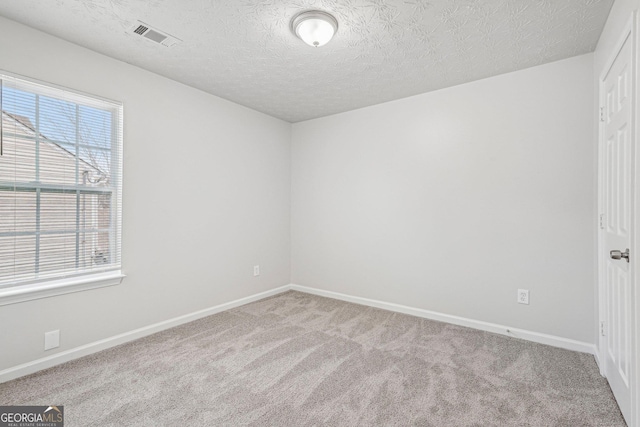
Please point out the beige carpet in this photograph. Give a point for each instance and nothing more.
(299, 360)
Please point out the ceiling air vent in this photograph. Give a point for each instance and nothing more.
(153, 34)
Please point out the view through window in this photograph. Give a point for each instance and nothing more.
(60, 172)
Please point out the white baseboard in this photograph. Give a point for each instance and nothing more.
(537, 337)
(84, 350)
(75, 353)
(596, 355)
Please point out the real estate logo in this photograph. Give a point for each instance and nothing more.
(31, 416)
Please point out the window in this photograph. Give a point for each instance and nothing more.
(60, 188)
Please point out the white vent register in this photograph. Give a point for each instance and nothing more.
(153, 34)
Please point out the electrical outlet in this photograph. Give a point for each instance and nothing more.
(51, 339)
(256, 270)
(523, 296)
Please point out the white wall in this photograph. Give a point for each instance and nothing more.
(206, 196)
(452, 200)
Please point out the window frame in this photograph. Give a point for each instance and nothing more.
(78, 281)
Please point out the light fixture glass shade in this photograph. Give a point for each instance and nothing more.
(315, 28)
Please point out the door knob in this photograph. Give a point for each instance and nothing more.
(615, 254)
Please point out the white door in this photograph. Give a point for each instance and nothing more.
(617, 154)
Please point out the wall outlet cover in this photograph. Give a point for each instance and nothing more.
(523, 296)
(52, 339)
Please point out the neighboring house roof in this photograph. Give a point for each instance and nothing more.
(22, 119)
(25, 122)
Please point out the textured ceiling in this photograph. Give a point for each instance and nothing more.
(243, 50)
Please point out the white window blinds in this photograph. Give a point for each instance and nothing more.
(60, 183)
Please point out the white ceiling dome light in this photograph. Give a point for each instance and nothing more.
(314, 27)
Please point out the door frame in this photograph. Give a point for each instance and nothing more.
(630, 31)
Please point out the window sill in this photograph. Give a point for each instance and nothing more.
(59, 287)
